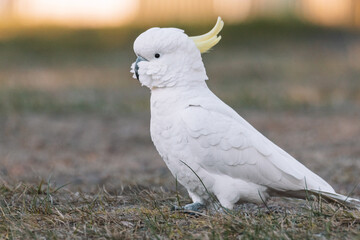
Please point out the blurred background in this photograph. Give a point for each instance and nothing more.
(70, 111)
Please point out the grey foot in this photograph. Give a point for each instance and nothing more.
(195, 207)
(192, 208)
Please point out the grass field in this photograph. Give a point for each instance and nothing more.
(77, 162)
(47, 212)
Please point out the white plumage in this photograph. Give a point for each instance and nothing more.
(195, 132)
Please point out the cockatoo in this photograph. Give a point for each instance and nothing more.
(208, 147)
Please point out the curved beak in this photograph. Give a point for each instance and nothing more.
(139, 59)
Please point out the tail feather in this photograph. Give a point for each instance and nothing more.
(338, 198)
(328, 196)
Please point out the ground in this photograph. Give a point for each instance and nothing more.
(76, 156)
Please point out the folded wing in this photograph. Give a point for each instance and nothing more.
(227, 144)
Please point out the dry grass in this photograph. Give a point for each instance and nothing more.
(46, 211)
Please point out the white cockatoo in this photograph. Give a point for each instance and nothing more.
(208, 147)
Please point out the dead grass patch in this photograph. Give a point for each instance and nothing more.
(47, 211)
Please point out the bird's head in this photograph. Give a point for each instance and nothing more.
(168, 57)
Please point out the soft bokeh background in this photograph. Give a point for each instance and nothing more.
(70, 111)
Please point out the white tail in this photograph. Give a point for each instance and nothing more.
(338, 198)
(329, 197)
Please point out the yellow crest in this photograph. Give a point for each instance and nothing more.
(206, 41)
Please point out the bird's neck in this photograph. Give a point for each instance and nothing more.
(177, 96)
(180, 89)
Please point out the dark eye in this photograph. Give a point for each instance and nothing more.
(157, 55)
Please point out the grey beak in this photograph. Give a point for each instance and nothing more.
(139, 59)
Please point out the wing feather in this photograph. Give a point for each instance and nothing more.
(234, 148)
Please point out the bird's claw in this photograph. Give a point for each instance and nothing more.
(195, 207)
(191, 209)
